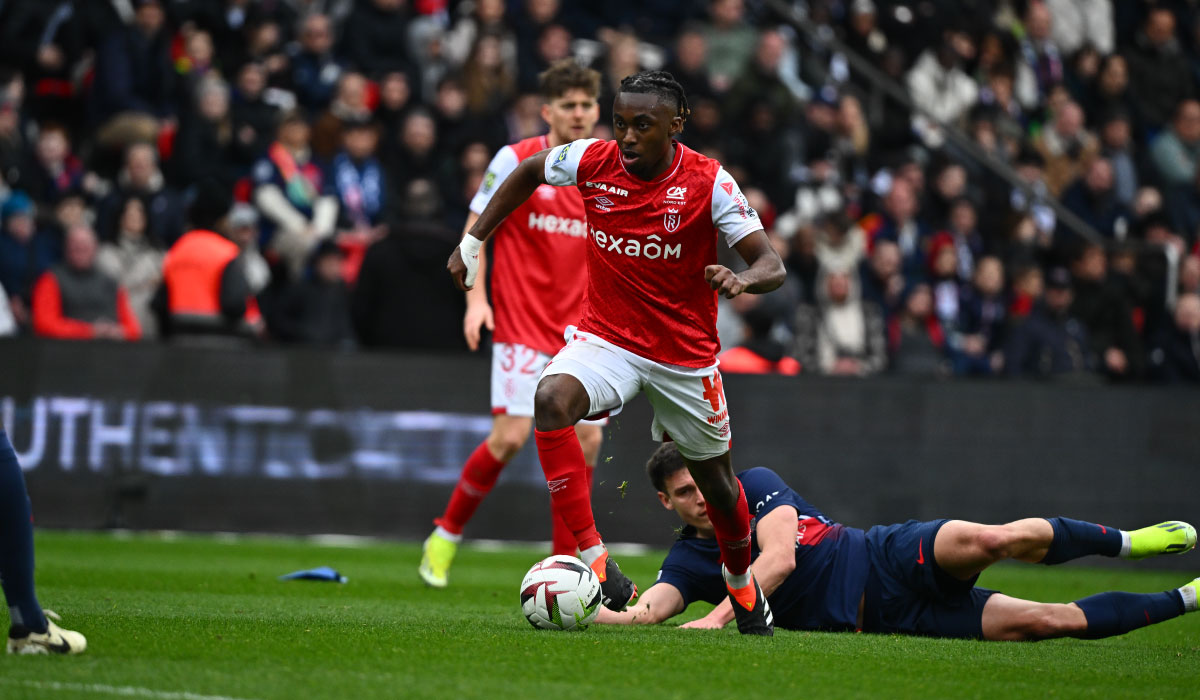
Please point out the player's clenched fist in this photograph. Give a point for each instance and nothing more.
(464, 262)
(724, 280)
(457, 269)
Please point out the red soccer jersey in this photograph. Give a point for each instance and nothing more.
(649, 245)
(537, 258)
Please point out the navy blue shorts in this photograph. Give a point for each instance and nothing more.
(908, 593)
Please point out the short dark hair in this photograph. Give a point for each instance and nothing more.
(665, 461)
(661, 83)
(566, 74)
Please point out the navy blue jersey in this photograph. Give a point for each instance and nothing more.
(831, 561)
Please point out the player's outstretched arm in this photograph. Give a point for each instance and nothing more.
(776, 533)
(660, 602)
(516, 188)
(766, 271)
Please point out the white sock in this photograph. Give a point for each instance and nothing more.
(739, 581)
(447, 535)
(592, 553)
(1126, 545)
(1189, 598)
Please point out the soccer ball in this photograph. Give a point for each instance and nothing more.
(560, 593)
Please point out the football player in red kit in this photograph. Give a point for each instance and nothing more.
(537, 258)
(655, 209)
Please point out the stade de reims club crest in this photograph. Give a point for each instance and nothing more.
(671, 220)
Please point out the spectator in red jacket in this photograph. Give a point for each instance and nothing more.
(76, 300)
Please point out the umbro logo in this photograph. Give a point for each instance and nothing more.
(556, 485)
(605, 201)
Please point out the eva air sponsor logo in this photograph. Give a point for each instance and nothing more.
(611, 189)
(652, 247)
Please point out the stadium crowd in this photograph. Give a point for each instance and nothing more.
(334, 146)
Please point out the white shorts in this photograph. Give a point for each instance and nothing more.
(689, 404)
(516, 371)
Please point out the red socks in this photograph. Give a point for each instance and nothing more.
(566, 477)
(482, 470)
(563, 539)
(479, 475)
(733, 533)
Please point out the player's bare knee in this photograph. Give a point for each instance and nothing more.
(551, 409)
(995, 541)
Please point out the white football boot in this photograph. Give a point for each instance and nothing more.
(55, 640)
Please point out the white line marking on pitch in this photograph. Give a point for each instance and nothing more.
(122, 690)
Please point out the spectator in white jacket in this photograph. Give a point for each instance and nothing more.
(1079, 22)
(940, 88)
(294, 195)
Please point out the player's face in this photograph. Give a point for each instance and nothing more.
(643, 125)
(572, 115)
(684, 497)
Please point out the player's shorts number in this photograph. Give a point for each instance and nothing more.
(528, 358)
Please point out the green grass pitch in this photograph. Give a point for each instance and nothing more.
(196, 617)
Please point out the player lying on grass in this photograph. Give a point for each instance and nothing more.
(29, 632)
(914, 578)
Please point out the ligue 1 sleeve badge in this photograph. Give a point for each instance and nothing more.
(671, 220)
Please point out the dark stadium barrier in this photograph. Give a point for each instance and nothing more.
(299, 441)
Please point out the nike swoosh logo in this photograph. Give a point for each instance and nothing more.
(920, 551)
(61, 648)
